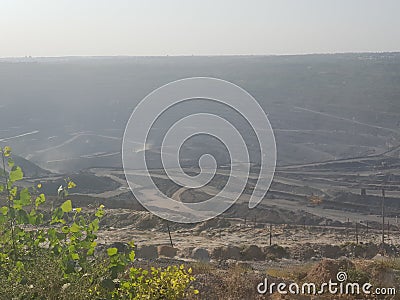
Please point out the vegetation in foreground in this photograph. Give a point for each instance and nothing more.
(56, 256)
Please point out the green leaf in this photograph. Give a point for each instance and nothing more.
(132, 256)
(17, 205)
(58, 213)
(75, 228)
(16, 174)
(4, 210)
(100, 211)
(57, 216)
(71, 248)
(75, 256)
(66, 206)
(1, 188)
(19, 265)
(91, 248)
(112, 251)
(3, 219)
(32, 219)
(71, 184)
(90, 252)
(65, 229)
(10, 162)
(40, 199)
(7, 151)
(51, 233)
(94, 226)
(14, 191)
(25, 197)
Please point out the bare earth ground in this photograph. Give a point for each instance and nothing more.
(125, 225)
(285, 237)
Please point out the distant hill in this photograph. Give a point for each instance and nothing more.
(29, 168)
(68, 114)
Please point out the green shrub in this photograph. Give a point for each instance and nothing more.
(356, 275)
(56, 258)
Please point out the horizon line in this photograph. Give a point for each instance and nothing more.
(197, 55)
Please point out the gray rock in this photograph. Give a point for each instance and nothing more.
(224, 253)
(201, 254)
(167, 251)
(253, 252)
(147, 252)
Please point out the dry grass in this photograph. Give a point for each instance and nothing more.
(296, 273)
(44, 280)
(202, 268)
(236, 283)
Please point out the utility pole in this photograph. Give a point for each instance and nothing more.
(356, 233)
(388, 230)
(270, 234)
(169, 233)
(383, 216)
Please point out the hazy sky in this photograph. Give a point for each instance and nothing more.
(203, 27)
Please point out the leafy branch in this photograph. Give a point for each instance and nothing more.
(68, 243)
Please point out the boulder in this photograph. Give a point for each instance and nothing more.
(147, 252)
(232, 252)
(253, 252)
(330, 251)
(167, 251)
(366, 251)
(276, 252)
(224, 253)
(201, 254)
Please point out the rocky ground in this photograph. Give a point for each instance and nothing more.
(231, 258)
(299, 242)
(288, 237)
